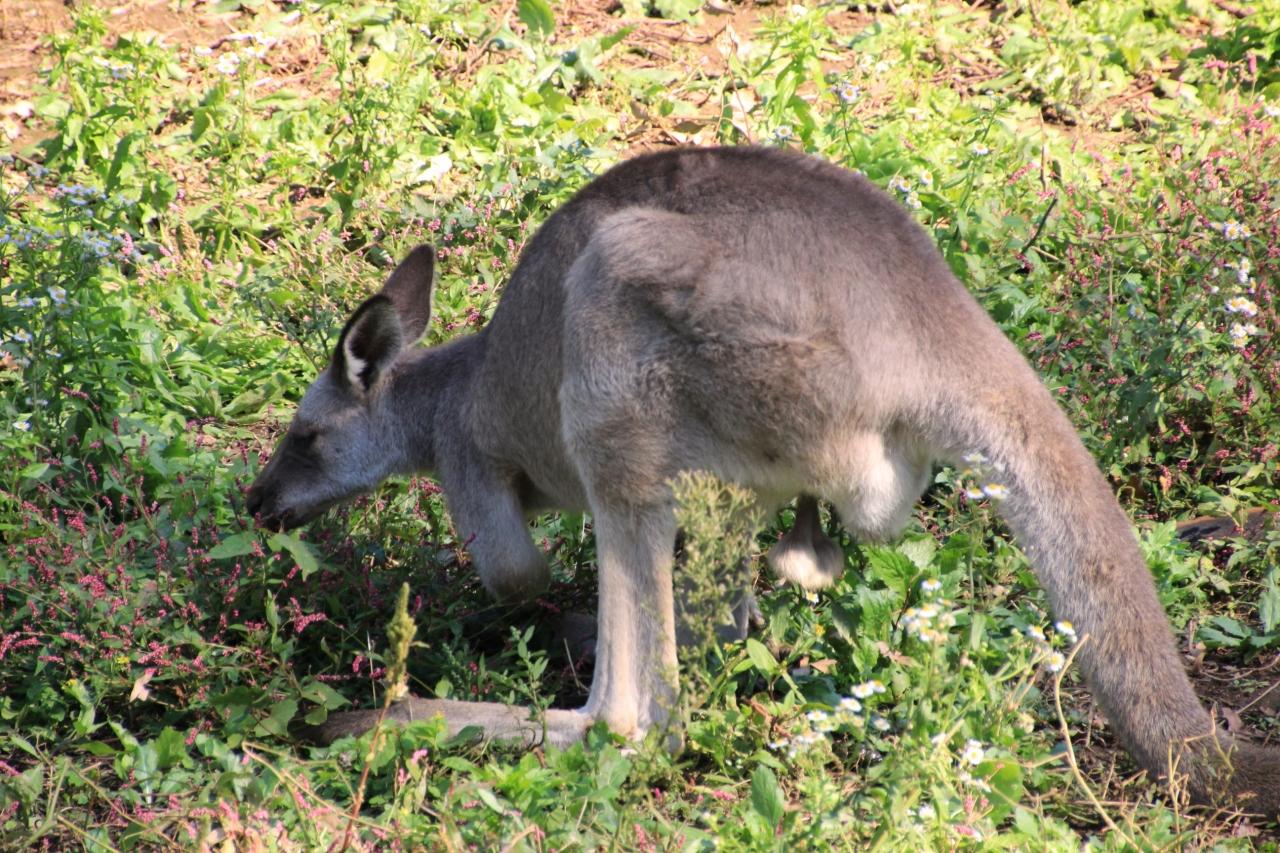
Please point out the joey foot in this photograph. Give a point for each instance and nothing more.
(805, 555)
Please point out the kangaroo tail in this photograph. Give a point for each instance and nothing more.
(1085, 554)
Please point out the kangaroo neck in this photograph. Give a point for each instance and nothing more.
(430, 400)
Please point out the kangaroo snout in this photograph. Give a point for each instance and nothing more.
(261, 503)
(253, 500)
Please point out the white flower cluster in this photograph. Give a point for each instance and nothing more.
(97, 244)
(1241, 332)
(79, 194)
(983, 477)
(1242, 269)
(971, 755)
(1232, 230)
(909, 196)
(929, 622)
(1242, 305)
(117, 70)
(847, 92)
(867, 689)
(25, 237)
(256, 47)
(1054, 659)
(819, 724)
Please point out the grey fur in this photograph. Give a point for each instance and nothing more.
(785, 325)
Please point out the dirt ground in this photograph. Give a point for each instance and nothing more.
(25, 26)
(702, 47)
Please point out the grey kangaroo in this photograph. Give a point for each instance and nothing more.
(779, 322)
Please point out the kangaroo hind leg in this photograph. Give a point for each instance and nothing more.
(634, 687)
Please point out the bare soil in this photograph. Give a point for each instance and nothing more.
(25, 28)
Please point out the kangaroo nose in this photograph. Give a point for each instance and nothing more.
(253, 501)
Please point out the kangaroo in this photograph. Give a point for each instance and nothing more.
(777, 321)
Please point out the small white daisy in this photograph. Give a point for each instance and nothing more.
(1242, 305)
(995, 491)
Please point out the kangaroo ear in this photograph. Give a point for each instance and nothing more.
(410, 288)
(369, 343)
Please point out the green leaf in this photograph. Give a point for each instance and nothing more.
(537, 16)
(761, 657)
(866, 655)
(239, 697)
(1223, 631)
(99, 749)
(891, 568)
(299, 550)
(380, 66)
(171, 747)
(845, 622)
(34, 471)
(273, 614)
(234, 545)
(323, 694)
(201, 121)
(919, 551)
(877, 606)
(611, 772)
(677, 10)
(766, 796)
(458, 764)
(486, 796)
(1006, 786)
(121, 157)
(613, 38)
(1027, 823)
(1269, 602)
(277, 722)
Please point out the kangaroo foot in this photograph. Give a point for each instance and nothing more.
(499, 722)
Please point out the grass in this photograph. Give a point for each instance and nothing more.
(178, 253)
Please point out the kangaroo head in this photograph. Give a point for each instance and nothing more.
(346, 438)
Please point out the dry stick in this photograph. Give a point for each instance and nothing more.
(1040, 226)
(66, 823)
(1236, 11)
(1071, 753)
(1256, 699)
(511, 845)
